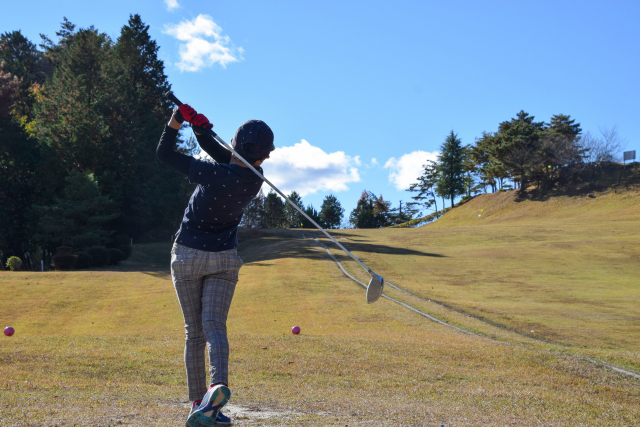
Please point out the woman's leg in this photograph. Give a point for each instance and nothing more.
(217, 293)
(186, 268)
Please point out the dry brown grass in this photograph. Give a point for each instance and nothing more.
(105, 348)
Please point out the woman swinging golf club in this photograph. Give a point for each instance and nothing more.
(204, 260)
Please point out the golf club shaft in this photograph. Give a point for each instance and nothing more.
(215, 136)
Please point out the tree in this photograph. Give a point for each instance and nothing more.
(331, 212)
(274, 215)
(487, 164)
(370, 212)
(254, 212)
(518, 146)
(313, 214)
(451, 168)
(400, 215)
(560, 154)
(605, 147)
(79, 216)
(424, 189)
(103, 112)
(25, 164)
(20, 58)
(294, 219)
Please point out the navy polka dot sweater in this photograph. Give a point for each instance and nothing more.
(210, 221)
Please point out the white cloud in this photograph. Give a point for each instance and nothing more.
(374, 161)
(406, 170)
(202, 44)
(308, 169)
(172, 4)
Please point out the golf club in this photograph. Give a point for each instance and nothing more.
(376, 284)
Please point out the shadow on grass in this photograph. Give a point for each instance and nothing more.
(258, 246)
(276, 244)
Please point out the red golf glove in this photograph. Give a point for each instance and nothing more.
(187, 113)
(200, 120)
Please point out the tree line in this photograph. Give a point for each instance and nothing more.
(523, 154)
(80, 118)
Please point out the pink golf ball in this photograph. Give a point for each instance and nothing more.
(295, 330)
(8, 331)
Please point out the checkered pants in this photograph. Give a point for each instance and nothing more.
(205, 282)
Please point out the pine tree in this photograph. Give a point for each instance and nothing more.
(370, 212)
(294, 219)
(424, 189)
(274, 215)
(313, 214)
(80, 215)
(451, 168)
(254, 212)
(518, 146)
(331, 212)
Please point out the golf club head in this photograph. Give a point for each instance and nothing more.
(374, 290)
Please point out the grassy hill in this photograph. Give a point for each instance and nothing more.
(543, 286)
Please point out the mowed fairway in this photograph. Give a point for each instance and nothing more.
(544, 286)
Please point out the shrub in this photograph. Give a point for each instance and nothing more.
(64, 262)
(121, 240)
(115, 256)
(14, 263)
(99, 256)
(84, 260)
(64, 250)
(127, 249)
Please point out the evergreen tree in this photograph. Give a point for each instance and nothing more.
(560, 152)
(254, 212)
(80, 216)
(20, 58)
(401, 214)
(491, 170)
(274, 214)
(294, 219)
(313, 214)
(103, 111)
(331, 212)
(71, 114)
(518, 146)
(469, 170)
(25, 164)
(424, 189)
(370, 212)
(451, 168)
(139, 113)
(562, 124)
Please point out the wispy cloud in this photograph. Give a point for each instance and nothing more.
(405, 171)
(172, 4)
(203, 44)
(308, 169)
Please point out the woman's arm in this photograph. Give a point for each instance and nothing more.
(213, 149)
(166, 152)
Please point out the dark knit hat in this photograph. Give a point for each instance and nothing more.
(253, 140)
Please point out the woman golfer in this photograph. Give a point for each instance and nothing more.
(204, 260)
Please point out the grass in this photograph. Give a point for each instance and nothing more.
(104, 348)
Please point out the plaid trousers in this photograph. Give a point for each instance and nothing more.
(205, 283)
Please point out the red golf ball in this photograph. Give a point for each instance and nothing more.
(8, 331)
(295, 330)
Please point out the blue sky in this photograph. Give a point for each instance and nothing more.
(360, 93)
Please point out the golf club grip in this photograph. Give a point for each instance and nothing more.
(172, 98)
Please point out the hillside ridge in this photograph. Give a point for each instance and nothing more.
(505, 206)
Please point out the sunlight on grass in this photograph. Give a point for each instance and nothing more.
(105, 347)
